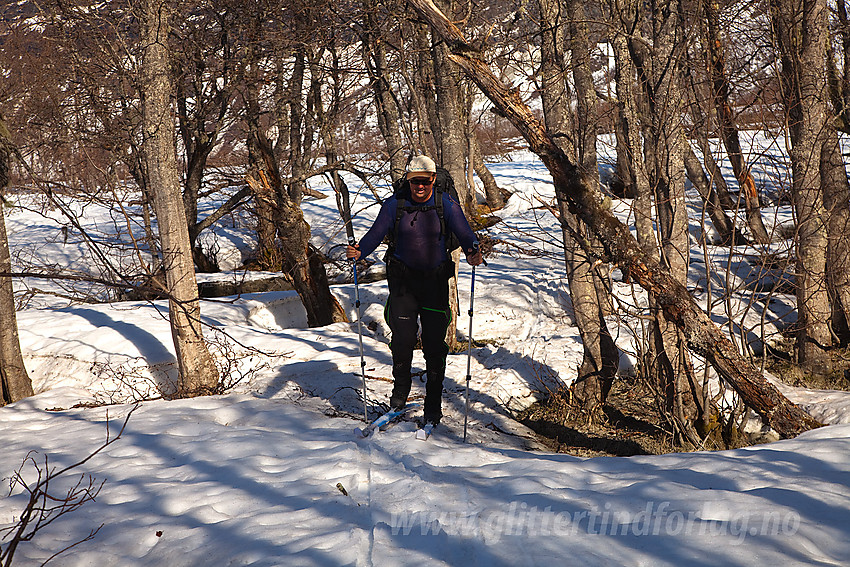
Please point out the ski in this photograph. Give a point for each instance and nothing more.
(424, 432)
(384, 420)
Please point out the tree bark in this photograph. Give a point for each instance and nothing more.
(729, 233)
(631, 165)
(452, 139)
(587, 106)
(702, 336)
(424, 95)
(203, 52)
(197, 371)
(451, 142)
(589, 296)
(588, 286)
(15, 383)
(492, 193)
(661, 78)
(728, 130)
(842, 106)
(711, 185)
(554, 86)
(836, 196)
(801, 34)
(262, 157)
(386, 109)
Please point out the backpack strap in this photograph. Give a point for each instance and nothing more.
(438, 202)
(400, 207)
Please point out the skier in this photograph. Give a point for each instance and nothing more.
(418, 272)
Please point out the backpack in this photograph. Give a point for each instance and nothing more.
(401, 191)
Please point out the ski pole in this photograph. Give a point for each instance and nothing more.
(469, 354)
(359, 332)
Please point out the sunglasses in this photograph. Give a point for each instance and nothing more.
(423, 181)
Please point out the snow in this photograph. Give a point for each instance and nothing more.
(253, 476)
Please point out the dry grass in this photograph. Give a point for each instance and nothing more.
(628, 424)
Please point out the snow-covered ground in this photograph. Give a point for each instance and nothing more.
(271, 473)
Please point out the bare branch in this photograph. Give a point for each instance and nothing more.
(43, 506)
(702, 336)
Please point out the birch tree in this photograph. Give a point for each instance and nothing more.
(374, 49)
(15, 383)
(295, 114)
(197, 371)
(800, 28)
(659, 60)
(716, 56)
(587, 281)
(701, 335)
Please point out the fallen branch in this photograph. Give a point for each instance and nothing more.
(702, 336)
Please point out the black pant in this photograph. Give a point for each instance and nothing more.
(416, 298)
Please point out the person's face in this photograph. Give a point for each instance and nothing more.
(421, 186)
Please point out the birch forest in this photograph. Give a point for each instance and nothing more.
(245, 104)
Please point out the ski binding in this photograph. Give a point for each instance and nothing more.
(424, 432)
(384, 420)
